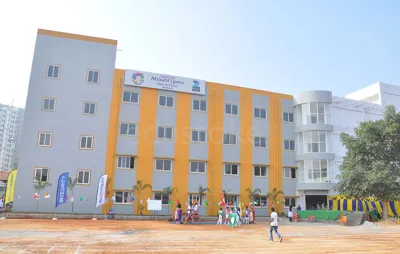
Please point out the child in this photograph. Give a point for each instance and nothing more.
(233, 218)
(227, 218)
(239, 222)
(247, 216)
(220, 217)
(290, 214)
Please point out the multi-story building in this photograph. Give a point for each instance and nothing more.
(11, 120)
(320, 119)
(87, 118)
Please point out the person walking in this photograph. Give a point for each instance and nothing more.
(274, 226)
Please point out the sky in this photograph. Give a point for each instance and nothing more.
(285, 46)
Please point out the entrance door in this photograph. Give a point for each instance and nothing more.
(312, 201)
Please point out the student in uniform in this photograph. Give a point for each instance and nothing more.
(220, 213)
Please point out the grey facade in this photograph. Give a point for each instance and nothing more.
(66, 122)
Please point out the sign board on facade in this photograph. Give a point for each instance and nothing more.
(164, 82)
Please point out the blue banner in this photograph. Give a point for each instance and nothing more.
(62, 188)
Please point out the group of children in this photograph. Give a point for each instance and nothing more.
(232, 217)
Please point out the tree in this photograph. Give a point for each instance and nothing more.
(71, 186)
(274, 195)
(169, 191)
(371, 167)
(138, 188)
(202, 191)
(39, 185)
(253, 194)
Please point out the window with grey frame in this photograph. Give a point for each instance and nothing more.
(130, 97)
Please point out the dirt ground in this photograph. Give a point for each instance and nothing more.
(86, 236)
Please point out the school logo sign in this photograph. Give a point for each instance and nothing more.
(196, 86)
(164, 82)
(138, 78)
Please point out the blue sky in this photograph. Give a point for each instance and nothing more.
(281, 46)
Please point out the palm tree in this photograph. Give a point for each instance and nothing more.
(274, 195)
(71, 186)
(138, 188)
(39, 185)
(169, 191)
(253, 194)
(202, 191)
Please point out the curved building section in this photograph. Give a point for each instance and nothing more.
(314, 154)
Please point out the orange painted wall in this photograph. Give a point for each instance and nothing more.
(146, 136)
(113, 135)
(182, 140)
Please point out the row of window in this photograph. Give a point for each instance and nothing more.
(129, 162)
(86, 141)
(93, 77)
(89, 108)
(124, 197)
(54, 72)
(83, 176)
(45, 140)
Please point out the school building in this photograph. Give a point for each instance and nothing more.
(87, 118)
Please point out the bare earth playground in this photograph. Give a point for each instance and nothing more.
(118, 236)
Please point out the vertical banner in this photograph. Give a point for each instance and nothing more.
(101, 191)
(62, 188)
(11, 180)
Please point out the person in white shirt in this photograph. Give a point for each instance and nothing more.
(219, 222)
(290, 214)
(274, 225)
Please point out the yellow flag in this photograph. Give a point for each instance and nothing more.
(12, 178)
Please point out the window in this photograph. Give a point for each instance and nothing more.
(197, 166)
(161, 196)
(123, 197)
(290, 201)
(231, 200)
(128, 129)
(261, 201)
(83, 176)
(312, 113)
(230, 139)
(196, 197)
(163, 165)
(130, 97)
(49, 104)
(93, 77)
(164, 132)
(231, 169)
(86, 142)
(45, 139)
(53, 71)
(290, 173)
(198, 136)
(313, 171)
(288, 145)
(260, 113)
(288, 117)
(166, 101)
(126, 162)
(41, 174)
(231, 109)
(314, 141)
(89, 108)
(199, 105)
(260, 142)
(260, 171)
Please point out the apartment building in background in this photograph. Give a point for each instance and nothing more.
(87, 118)
(11, 121)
